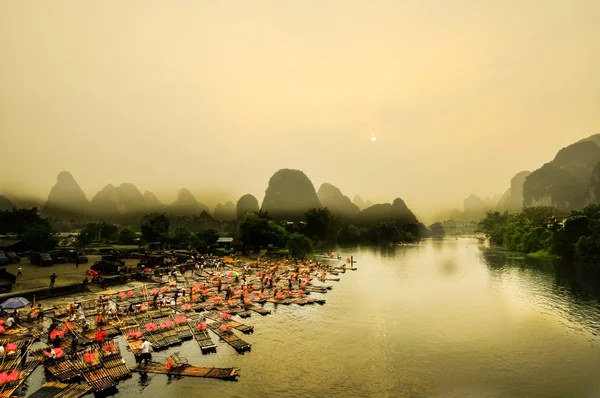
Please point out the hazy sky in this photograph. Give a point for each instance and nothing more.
(217, 95)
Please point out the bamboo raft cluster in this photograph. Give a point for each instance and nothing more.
(61, 390)
(108, 366)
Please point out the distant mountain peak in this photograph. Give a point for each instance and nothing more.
(66, 198)
(333, 198)
(6, 204)
(289, 195)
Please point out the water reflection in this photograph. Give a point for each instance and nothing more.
(570, 290)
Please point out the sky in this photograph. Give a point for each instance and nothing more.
(216, 96)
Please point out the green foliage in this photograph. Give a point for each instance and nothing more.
(258, 232)
(538, 230)
(320, 224)
(182, 238)
(102, 231)
(127, 236)
(18, 220)
(84, 238)
(155, 227)
(299, 245)
(35, 231)
(40, 236)
(437, 230)
(205, 239)
(494, 226)
(350, 234)
(542, 254)
(386, 232)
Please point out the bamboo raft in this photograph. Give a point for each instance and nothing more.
(233, 323)
(7, 389)
(135, 344)
(183, 331)
(166, 336)
(62, 368)
(189, 371)
(96, 375)
(202, 337)
(113, 361)
(245, 314)
(61, 390)
(229, 337)
(260, 310)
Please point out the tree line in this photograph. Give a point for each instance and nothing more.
(544, 230)
(253, 232)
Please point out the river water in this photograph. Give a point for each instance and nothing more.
(443, 319)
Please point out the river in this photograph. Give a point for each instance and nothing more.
(443, 319)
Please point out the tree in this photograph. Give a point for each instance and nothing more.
(494, 226)
(40, 237)
(299, 245)
(84, 238)
(102, 231)
(320, 224)
(18, 220)
(437, 230)
(540, 215)
(181, 237)
(349, 234)
(388, 232)
(208, 237)
(127, 236)
(36, 232)
(155, 227)
(256, 232)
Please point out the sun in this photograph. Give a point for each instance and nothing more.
(373, 138)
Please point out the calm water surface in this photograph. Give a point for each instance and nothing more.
(444, 319)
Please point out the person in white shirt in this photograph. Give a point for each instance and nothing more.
(10, 322)
(51, 353)
(2, 351)
(146, 350)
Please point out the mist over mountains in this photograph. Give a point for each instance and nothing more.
(571, 180)
(288, 196)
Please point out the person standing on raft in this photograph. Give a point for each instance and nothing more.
(146, 350)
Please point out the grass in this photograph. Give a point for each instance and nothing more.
(543, 254)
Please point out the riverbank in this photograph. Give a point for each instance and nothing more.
(543, 255)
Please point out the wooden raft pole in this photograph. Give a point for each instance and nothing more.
(189, 371)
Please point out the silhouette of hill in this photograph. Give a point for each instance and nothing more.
(105, 202)
(152, 203)
(332, 198)
(66, 199)
(6, 204)
(289, 195)
(226, 212)
(186, 204)
(396, 212)
(563, 182)
(246, 204)
(474, 208)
